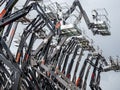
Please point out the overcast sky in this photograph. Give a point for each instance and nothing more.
(110, 45)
